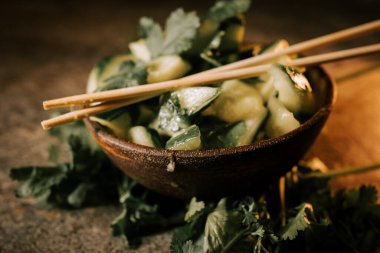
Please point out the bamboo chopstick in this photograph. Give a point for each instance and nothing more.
(300, 47)
(89, 111)
(335, 56)
(138, 94)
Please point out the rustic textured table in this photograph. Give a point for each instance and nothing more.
(47, 49)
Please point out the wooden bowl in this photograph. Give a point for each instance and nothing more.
(223, 171)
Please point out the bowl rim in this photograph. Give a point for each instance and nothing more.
(98, 131)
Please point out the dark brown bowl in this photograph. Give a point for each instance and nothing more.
(224, 171)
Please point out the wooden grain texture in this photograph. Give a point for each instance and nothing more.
(47, 49)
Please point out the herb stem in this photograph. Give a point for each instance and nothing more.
(340, 172)
(234, 240)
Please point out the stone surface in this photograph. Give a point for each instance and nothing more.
(47, 49)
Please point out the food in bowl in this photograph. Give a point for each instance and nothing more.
(225, 114)
(201, 141)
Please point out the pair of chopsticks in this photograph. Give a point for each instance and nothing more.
(98, 102)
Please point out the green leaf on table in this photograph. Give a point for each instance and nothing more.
(180, 31)
(139, 216)
(87, 179)
(194, 207)
(221, 226)
(225, 9)
(298, 223)
(38, 181)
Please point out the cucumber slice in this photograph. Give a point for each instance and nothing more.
(195, 99)
(119, 125)
(189, 139)
(237, 102)
(294, 90)
(140, 50)
(141, 135)
(243, 132)
(265, 87)
(280, 120)
(275, 46)
(171, 119)
(167, 67)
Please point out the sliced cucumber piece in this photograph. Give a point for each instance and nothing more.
(243, 132)
(171, 119)
(119, 125)
(280, 119)
(141, 135)
(238, 101)
(140, 50)
(167, 67)
(265, 87)
(195, 99)
(189, 139)
(275, 46)
(294, 90)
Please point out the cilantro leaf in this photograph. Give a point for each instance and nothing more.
(140, 216)
(87, 179)
(38, 181)
(225, 9)
(180, 31)
(152, 32)
(221, 226)
(298, 223)
(194, 207)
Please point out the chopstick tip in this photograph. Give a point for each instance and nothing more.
(45, 125)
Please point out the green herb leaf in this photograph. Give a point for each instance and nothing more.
(194, 207)
(221, 226)
(152, 32)
(225, 9)
(300, 222)
(180, 31)
(140, 217)
(87, 179)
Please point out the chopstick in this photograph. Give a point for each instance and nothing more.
(264, 58)
(139, 93)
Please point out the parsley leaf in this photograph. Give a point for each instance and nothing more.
(298, 223)
(225, 9)
(154, 37)
(87, 179)
(141, 215)
(180, 31)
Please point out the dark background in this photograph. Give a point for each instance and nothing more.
(47, 49)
